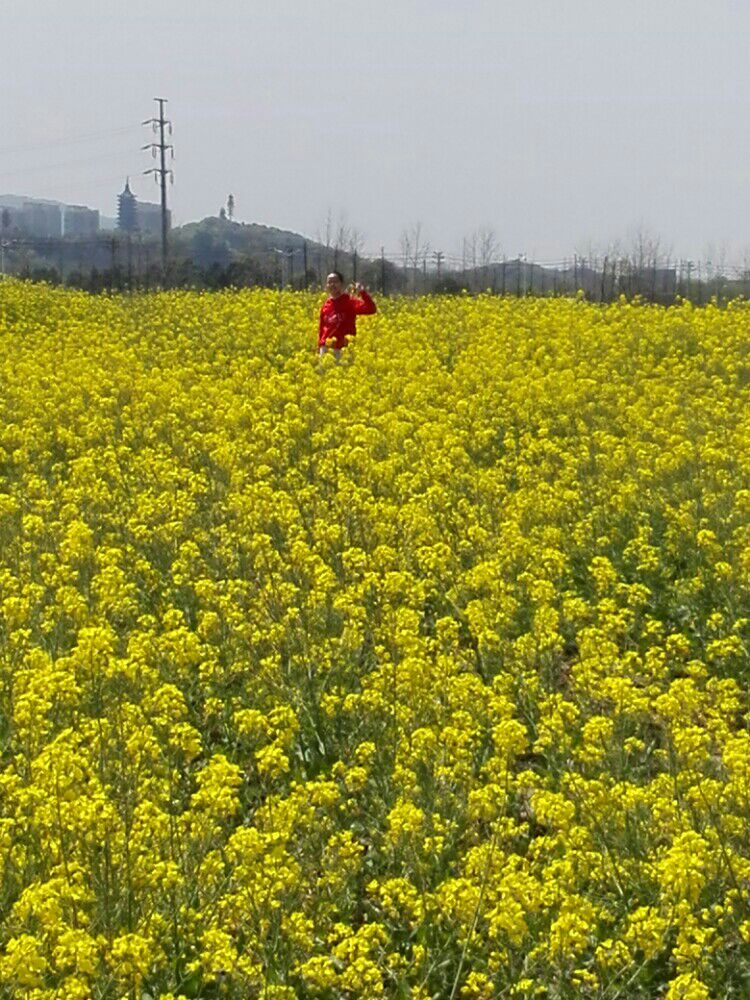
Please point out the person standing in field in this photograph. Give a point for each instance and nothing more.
(338, 314)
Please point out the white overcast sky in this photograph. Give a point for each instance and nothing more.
(559, 123)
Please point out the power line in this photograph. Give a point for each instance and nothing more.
(42, 167)
(72, 141)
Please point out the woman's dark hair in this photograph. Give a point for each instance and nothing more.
(339, 275)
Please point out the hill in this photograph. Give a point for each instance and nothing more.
(214, 240)
(262, 250)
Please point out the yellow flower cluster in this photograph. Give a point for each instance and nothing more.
(422, 674)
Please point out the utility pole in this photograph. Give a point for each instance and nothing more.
(439, 255)
(382, 270)
(288, 254)
(160, 124)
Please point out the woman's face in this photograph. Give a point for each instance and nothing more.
(334, 286)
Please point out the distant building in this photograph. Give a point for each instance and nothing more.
(39, 219)
(80, 221)
(135, 216)
(149, 218)
(127, 209)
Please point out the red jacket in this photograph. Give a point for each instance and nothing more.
(338, 318)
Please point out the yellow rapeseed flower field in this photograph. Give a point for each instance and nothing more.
(422, 674)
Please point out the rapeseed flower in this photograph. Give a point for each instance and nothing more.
(421, 675)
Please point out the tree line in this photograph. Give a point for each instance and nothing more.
(203, 256)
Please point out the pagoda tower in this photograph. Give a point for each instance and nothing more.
(127, 210)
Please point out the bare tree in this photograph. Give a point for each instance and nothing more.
(414, 249)
(585, 267)
(488, 245)
(720, 257)
(613, 256)
(404, 242)
(420, 246)
(324, 234)
(356, 245)
(340, 240)
(356, 241)
(473, 244)
(633, 265)
(470, 249)
(646, 255)
(341, 237)
(488, 252)
(646, 249)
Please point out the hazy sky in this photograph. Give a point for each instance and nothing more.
(556, 122)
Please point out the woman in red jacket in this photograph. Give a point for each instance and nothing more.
(338, 314)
